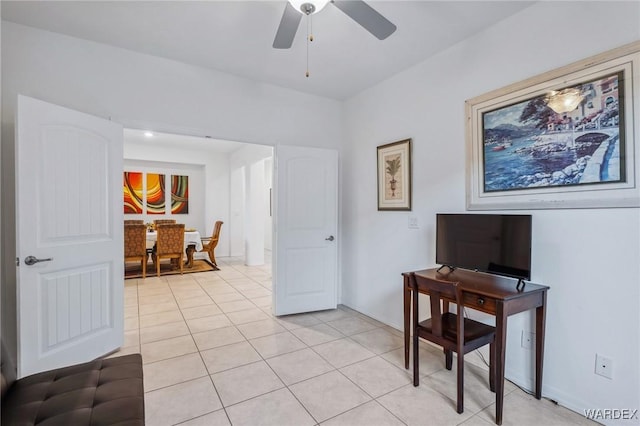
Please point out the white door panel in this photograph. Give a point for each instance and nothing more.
(306, 212)
(69, 210)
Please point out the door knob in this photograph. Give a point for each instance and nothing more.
(32, 260)
(330, 238)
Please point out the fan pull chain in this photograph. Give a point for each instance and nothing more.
(309, 38)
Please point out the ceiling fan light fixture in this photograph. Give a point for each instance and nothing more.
(308, 7)
(358, 10)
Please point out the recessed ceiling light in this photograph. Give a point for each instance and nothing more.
(148, 134)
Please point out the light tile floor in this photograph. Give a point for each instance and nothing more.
(214, 354)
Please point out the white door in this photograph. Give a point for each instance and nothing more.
(306, 225)
(69, 221)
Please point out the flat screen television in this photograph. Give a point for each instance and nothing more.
(495, 243)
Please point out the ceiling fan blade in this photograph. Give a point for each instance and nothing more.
(288, 28)
(366, 16)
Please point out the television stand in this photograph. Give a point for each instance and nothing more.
(520, 284)
(494, 295)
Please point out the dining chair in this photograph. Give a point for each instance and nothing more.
(209, 243)
(133, 221)
(169, 244)
(452, 331)
(135, 245)
(157, 222)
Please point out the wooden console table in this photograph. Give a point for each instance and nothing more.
(495, 295)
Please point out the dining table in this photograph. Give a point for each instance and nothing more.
(192, 243)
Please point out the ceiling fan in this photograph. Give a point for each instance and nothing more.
(357, 10)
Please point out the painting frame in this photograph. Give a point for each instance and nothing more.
(394, 176)
(582, 193)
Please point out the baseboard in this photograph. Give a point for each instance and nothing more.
(558, 396)
(385, 321)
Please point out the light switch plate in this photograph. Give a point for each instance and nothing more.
(413, 222)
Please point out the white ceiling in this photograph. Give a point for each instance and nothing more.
(236, 36)
(168, 140)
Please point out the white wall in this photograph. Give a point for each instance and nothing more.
(240, 162)
(254, 213)
(144, 92)
(589, 258)
(236, 211)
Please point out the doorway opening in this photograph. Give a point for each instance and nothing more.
(227, 181)
(297, 221)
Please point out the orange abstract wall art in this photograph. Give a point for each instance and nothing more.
(179, 194)
(155, 194)
(132, 192)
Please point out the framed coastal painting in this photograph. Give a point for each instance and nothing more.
(394, 176)
(564, 139)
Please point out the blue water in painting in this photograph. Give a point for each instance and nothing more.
(504, 168)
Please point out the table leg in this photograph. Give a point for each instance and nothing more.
(407, 321)
(190, 250)
(501, 343)
(540, 322)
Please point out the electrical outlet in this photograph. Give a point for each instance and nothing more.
(413, 222)
(604, 366)
(527, 339)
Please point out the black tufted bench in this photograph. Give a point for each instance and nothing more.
(100, 392)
